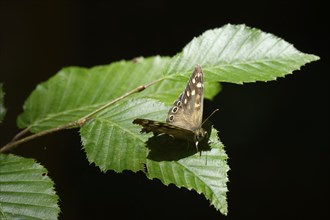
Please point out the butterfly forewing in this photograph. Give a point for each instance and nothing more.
(187, 111)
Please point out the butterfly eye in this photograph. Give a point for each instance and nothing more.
(171, 118)
(174, 109)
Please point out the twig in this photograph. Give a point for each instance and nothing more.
(13, 144)
(80, 122)
(20, 134)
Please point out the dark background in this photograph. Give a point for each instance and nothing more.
(275, 133)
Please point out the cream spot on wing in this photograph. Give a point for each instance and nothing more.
(193, 92)
(199, 85)
(193, 80)
(188, 93)
(185, 100)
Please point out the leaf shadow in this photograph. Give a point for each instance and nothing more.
(166, 148)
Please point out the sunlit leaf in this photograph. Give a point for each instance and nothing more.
(26, 192)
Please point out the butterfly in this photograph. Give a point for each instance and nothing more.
(184, 118)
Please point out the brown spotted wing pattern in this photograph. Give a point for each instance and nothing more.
(184, 118)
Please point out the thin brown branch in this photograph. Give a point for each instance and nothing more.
(13, 144)
(20, 134)
(17, 140)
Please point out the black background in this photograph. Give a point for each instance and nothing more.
(275, 133)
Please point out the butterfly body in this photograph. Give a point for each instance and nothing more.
(184, 118)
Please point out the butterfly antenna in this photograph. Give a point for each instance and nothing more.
(210, 116)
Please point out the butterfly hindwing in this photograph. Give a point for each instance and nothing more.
(157, 127)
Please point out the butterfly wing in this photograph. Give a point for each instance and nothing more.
(184, 119)
(163, 128)
(187, 111)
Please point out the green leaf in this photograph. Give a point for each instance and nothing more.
(111, 141)
(238, 54)
(26, 192)
(206, 174)
(2, 107)
(75, 91)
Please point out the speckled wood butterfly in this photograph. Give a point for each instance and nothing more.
(184, 118)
